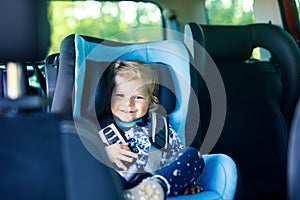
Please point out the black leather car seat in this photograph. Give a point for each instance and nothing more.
(261, 97)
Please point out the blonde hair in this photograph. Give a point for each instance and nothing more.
(134, 69)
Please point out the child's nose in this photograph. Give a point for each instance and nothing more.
(130, 102)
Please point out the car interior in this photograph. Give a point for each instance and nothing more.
(230, 88)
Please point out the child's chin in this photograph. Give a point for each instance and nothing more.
(127, 119)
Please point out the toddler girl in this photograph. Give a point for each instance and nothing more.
(147, 152)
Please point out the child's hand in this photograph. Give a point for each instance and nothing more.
(118, 153)
(192, 189)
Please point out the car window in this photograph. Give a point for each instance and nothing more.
(229, 12)
(103, 20)
(234, 12)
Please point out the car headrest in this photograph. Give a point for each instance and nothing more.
(228, 42)
(24, 30)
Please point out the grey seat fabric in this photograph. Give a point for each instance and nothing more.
(43, 156)
(294, 157)
(261, 97)
(86, 166)
(31, 166)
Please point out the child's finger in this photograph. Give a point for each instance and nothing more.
(192, 189)
(199, 188)
(133, 155)
(129, 153)
(120, 164)
(125, 158)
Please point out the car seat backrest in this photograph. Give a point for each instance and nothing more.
(30, 158)
(261, 97)
(236, 44)
(45, 156)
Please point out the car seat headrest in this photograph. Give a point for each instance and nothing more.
(24, 30)
(233, 44)
(170, 57)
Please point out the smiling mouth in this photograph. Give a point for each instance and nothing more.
(128, 112)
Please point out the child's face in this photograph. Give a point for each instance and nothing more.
(129, 100)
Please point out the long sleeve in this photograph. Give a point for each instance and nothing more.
(174, 148)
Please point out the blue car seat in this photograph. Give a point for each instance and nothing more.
(80, 94)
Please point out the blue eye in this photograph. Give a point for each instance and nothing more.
(119, 95)
(138, 98)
